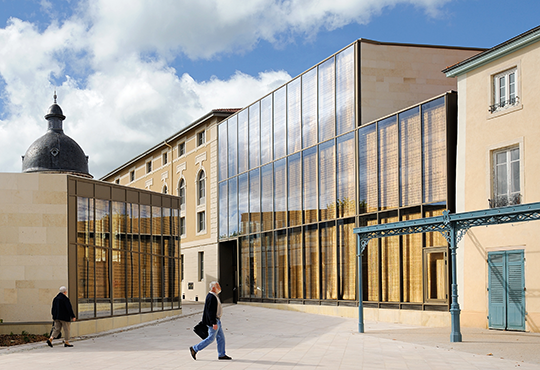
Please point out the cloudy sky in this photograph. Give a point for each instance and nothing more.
(130, 73)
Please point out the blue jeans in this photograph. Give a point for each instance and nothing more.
(213, 334)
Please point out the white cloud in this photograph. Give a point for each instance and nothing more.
(119, 103)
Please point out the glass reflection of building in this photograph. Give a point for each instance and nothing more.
(301, 172)
(128, 258)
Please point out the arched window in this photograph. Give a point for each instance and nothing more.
(182, 194)
(164, 189)
(201, 188)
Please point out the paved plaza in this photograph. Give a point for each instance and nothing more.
(261, 338)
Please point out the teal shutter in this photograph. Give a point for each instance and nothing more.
(516, 291)
(497, 291)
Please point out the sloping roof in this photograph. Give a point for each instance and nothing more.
(529, 37)
(221, 112)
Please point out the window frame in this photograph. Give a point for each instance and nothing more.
(201, 188)
(181, 149)
(182, 194)
(149, 166)
(201, 138)
(510, 196)
(132, 176)
(511, 95)
(201, 222)
(200, 265)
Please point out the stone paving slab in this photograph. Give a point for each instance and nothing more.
(261, 338)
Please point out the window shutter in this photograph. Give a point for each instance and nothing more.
(497, 291)
(516, 292)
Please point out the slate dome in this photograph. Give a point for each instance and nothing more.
(55, 151)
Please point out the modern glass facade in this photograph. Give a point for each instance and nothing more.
(127, 257)
(302, 173)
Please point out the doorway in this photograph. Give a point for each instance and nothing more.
(228, 271)
(506, 286)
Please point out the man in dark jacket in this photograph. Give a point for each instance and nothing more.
(211, 318)
(62, 314)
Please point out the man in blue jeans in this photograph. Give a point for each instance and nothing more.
(211, 318)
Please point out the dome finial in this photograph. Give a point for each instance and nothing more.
(54, 96)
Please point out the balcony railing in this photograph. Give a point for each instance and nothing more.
(504, 103)
(505, 200)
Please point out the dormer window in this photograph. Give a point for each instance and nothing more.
(505, 90)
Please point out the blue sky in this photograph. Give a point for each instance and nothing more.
(130, 73)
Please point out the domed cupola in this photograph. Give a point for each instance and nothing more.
(55, 152)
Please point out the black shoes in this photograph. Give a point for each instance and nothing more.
(193, 353)
(67, 345)
(49, 343)
(225, 357)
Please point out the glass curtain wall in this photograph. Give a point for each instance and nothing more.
(127, 258)
(307, 176)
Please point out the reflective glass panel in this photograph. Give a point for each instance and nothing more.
(412, 261)
(267, 198)
(232, 146)
(119, 282)
(233, 207)
(345, 91)
(243, 203)
(280, 193)
(434, 150)
(255, 264)
(243, 141)
(388, 163)
(370, 263)
(223, 209)
(309, 108)
(311, 247)
(295, 189)
(157, 283)
(254, 136)
(280, 122)
(85, 281)
(296, 268)
(85, 220)
(119, 225)
(327, 240)
(327, 180)
(146, 282)
(346, 199)
(254, 201)
(367, 169)
(222, 148)
(282, 278)
(268, 265)
(266, 130)
(294, 115)
(410, 157)
(347, 259)
(245, 268)
(390, 266)
(327, 99)
(103, 291)
(309, 167)
(103, 214)
(133, 293)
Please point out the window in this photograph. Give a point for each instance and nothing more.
(201, 266)
(201, 188)
(181, 149)
(182, 194)
(182, 226)
(201, 221)
(164, 159)
(504, 90)
(506, 178)
(165, 190)
(117, 181)
(149, 167)
(200, 138)
(182, 266)
(132, 176)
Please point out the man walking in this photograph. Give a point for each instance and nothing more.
(62, 314)
(211, 318)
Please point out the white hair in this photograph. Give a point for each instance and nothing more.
(63, 289)
(212, 284)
